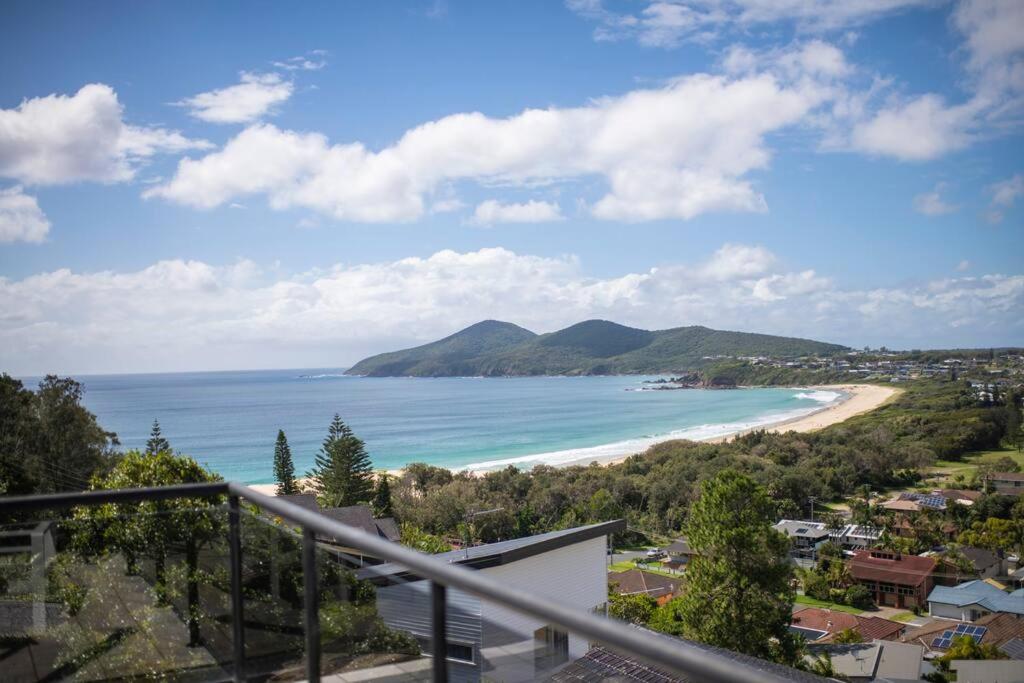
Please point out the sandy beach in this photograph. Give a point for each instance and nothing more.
(859, 398)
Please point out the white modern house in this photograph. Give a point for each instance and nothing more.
(487, 641)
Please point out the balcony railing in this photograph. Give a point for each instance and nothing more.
(177, 563)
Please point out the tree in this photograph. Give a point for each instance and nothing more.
(342, 474)
(284, 468)
(382, 497)
(965, 647)
(48, 440)
(153, 528)
(418, 539)
(635, 608)
(848, 636)
(994, 534)
(1013, 421)
(157, 443)
(739, 592)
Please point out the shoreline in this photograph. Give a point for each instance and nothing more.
(857, 399)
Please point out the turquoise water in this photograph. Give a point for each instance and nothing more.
(229, 420)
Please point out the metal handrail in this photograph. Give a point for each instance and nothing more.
(679, 657)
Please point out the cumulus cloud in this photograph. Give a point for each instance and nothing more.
(240, 316)
(21, 219)
(492, 211)
(932, 203)
(923, 127)
(669, 23)
(671, 152)
(1004, 195)
(82, 137)
(253, 97)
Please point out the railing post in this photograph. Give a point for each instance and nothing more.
(237, 619)
(312, 605)
(439, 630)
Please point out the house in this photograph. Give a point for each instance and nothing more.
(987, 564)
(1007, 483)
(894, 579)
(960, 496)
(972, 600)
(993, 629)
(604, 664)
(817, 624)
(988, 671)
(876, 660)
(857, 536)
(636, 581)
(359, 516)
(678, 554)
(806, 537)
(486, 639)
(915, 502)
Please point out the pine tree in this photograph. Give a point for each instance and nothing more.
(157, 443)
(284, 468)
(342, 474)
(382, 497)
(739, 592)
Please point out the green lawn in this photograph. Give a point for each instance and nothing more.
(903, 617)
(814, 602)
(970, 462)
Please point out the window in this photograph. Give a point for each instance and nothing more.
(551, 648)
(456, 652)
(460, 652)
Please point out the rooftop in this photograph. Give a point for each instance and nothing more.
(910, 570)
(999, 629)
(979, 593)
(504, 552)
(604, 664)
(638, 581)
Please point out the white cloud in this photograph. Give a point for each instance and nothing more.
(492, 211)
(314, 60)
(82, 137)
(963, 265)
(672, 152)
(239, 316)
(255, 96)
(1004, 195)
(669, 23)
(932, 203)
(917, 130)
(21, 219)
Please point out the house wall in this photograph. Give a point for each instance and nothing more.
(575, 576)
(503, 639)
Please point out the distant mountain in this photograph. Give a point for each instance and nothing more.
(454, 356)
(593, 347)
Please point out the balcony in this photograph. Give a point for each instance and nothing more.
(216, 582)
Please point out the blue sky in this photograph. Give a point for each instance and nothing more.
(240, 185)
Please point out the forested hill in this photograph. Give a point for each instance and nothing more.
(592, 347)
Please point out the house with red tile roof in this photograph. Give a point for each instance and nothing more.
(894, 579)
(810, 621)
(634, 581)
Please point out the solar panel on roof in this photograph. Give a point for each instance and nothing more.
(942, 643)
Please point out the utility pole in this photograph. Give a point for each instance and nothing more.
(812, 499)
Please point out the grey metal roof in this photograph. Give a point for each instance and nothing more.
(504, 552)
(361, 517)
(303, 500)
(1014, 648)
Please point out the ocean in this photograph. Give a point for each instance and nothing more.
(229, 420)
